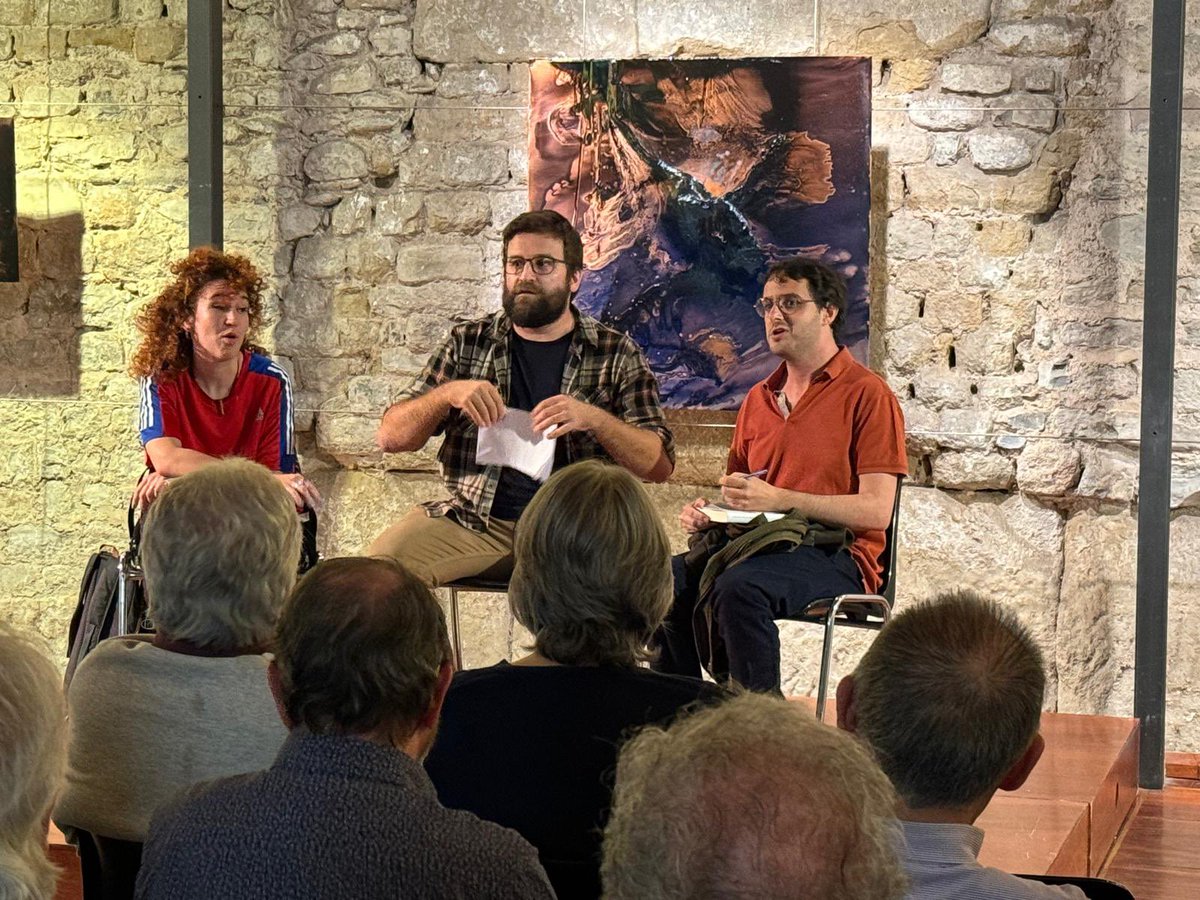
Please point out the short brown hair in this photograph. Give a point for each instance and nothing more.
(549, 222)
(166, 348)
(592, 567)
(949, 696)
(827, 286)
(360, 645)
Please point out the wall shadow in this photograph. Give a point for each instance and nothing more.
(41, 316)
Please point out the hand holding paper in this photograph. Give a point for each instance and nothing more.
(513, 442)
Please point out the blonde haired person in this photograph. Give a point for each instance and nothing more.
(33, 731)
(755, 798)
(531, 744)
(151, 716)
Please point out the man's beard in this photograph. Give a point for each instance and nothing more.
(539, 308)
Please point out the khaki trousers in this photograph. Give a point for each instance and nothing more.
(438, 549)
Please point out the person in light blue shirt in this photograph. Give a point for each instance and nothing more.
(949, 697)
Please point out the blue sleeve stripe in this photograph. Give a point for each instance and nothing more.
(287, 424)
(150, 422)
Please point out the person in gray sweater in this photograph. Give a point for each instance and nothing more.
(152, 715)
(346, 810)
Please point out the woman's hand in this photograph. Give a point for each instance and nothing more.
(147, 489)
(304, 492)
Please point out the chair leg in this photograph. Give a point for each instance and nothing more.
(826, 658)
(454, 631)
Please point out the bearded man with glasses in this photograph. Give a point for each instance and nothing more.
(583, 383)
(822, 437)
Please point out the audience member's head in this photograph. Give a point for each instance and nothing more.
(592, 567)
(220, 553)
(361, 649)
(949, 697)
(33, 726)
(751, 799)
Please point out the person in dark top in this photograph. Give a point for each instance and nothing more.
(583, 384)
(533, 744)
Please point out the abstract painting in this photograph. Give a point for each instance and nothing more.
(686, 179)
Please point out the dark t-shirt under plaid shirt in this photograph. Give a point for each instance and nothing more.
(604, 368)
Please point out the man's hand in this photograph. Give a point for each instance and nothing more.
(692, 519)
(479, 401)
(748, 492)
(303, 492)
(148, 488)
(565, 414)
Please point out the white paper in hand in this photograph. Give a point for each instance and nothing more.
(512, 442)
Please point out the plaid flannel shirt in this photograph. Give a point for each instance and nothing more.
(604, 368)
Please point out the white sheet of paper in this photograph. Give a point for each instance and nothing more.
(512, 442)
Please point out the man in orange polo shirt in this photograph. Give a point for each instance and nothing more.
(823, 436)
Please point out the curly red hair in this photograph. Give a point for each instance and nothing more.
(166, 348)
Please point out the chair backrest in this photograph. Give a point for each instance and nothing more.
(889, 556)
(109, 866)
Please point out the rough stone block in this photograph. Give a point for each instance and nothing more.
(81, 12)
(974, 78)
(457, 165)
(909, 237)
(399, 213)
(394, 40)
(371, 258)
(449, 126)
(348, 437)
(340, 43)
(682, 28)
(353, 214)
(942, 113)
(36, 43)
(336, 160)
(1006, 548)
(1039, 81)
(16, 12)
(973, 470)
(463, 80)
(297, 221)
(158, 42)
(1004, 238)
(1033, 191)
(117, 37)
(1109, 473)
(458, 31)
(461, 211)
(907, 75)
(1041, 37)
(419, 263)
(320, 257)
(353, 78)
(1049, 467)
(1033, 111)
(999, 151)
(907, 28)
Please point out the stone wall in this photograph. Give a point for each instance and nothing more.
(376, 147)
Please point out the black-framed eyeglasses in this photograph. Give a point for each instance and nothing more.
(787, 303)
(542, 265)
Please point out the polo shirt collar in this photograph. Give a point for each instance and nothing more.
(838, 364)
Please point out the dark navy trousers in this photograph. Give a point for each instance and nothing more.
(746, 600)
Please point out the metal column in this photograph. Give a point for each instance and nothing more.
(206, 223)
(1158, 385)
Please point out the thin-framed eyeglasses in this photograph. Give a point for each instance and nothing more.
(542, 265)
(787, 303)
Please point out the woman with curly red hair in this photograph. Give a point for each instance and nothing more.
(208, 391)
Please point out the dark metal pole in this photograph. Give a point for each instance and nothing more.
(206, 184)
(1158, 386)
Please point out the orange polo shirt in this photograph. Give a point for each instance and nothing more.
(846, 425)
